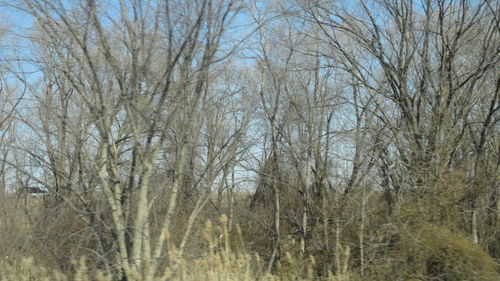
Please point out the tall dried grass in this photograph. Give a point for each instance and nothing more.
(218, 263)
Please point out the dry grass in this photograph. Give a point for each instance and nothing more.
(215, 266)
(218, 263)
(421, 251)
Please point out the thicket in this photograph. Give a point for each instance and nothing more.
(250, 140)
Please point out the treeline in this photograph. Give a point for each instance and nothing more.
(339, 140)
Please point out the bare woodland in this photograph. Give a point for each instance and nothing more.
(250, 140)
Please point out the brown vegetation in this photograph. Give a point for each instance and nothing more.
(250, 140)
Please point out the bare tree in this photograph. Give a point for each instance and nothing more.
(419, 70)
(136, 75)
